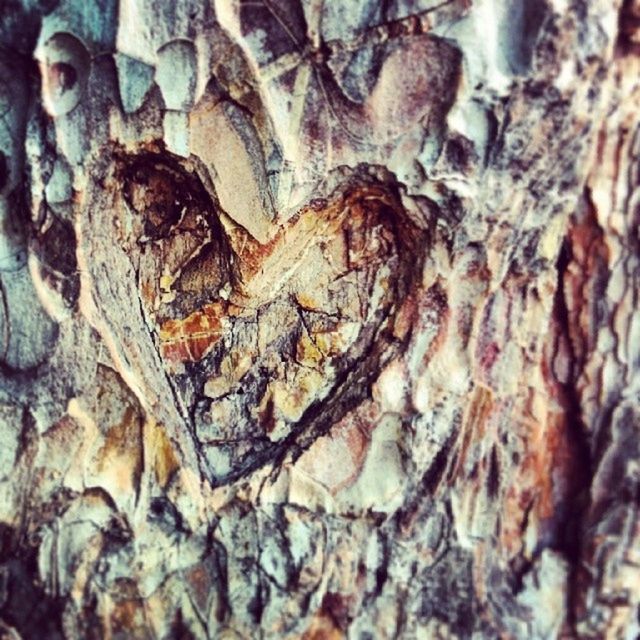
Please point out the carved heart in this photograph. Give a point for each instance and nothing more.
(265, 345)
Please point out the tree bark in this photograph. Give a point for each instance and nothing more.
(319, 319)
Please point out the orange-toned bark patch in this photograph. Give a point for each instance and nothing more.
(190, 339)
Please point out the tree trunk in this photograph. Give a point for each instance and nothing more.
(319, 319)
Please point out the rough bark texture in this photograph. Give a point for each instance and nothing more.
(319, 319)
